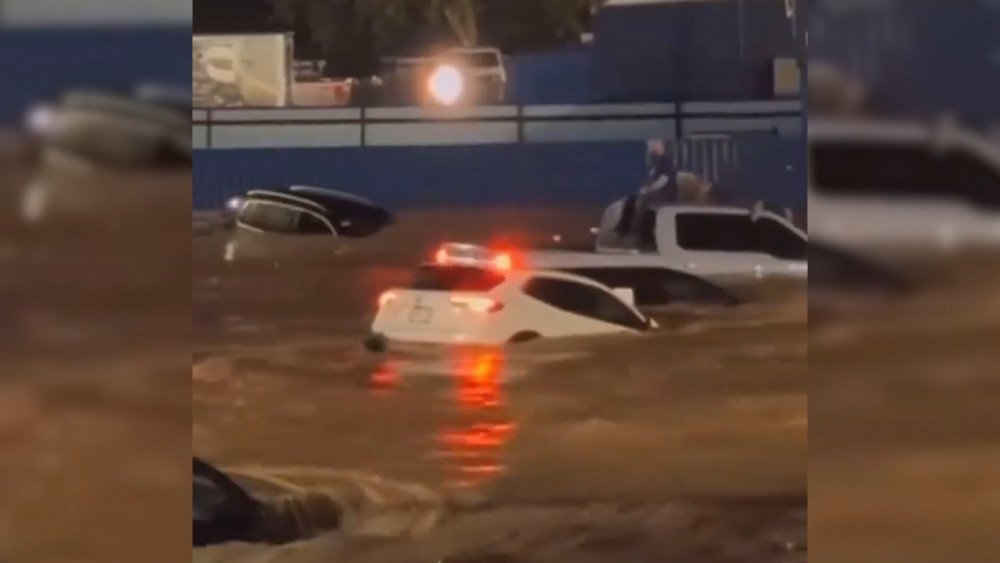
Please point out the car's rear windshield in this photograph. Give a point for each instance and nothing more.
(455, 278)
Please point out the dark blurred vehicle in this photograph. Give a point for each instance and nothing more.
(222, 511)
(288, 221)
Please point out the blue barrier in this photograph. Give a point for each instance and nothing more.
(41, 63)
(918, 57)
(671, 51)
(559, 77)
(518, 174)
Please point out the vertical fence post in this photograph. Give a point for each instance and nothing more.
(520, 124)
(208, 128)
(364, 125)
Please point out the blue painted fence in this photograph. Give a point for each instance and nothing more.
(767, 167)
(41, 63)
(706, 50)
(918, 57)
(557, 77)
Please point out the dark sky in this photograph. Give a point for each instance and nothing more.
(232, 16)
(512, 25)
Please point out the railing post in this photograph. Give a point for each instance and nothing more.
(520, 124)
(208, 128)
(364, 124)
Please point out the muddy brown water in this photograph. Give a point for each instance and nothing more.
(689, 443)
(903, 441)
(685, 445)
(95, 399)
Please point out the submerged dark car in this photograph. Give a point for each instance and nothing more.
(224, 512)
(282, 222)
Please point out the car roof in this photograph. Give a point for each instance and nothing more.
(323, 200)
(526, 273)
(327, 193)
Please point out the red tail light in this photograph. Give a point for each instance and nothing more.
(503, 262)
(477, 304)
(386, 298)
(441, 256)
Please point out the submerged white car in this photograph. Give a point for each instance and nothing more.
(476, 298)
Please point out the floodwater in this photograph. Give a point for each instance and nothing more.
(684, 445)
(94, 392)
(903, 447)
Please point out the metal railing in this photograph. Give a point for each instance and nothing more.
(421, 126)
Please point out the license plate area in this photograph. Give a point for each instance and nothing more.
(420, 314)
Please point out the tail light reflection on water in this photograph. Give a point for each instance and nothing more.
(384, 379)
(473, 446)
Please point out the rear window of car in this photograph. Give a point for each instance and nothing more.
(455, 278)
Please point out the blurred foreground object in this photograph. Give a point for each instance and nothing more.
(904, 208)
(149, 128)
(903, 188)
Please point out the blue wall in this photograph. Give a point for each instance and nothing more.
(558, 77)
(40, 63)
(549, 174)
(691, 50)
(919, 57)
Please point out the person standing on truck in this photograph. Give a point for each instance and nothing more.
(660, 186)
(661, 182)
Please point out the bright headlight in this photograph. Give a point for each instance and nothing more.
(446, 84)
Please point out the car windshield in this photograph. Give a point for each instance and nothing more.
(455, 278)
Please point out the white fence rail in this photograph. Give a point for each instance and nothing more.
(416, 126)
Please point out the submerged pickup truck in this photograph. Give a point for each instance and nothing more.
(703, 240)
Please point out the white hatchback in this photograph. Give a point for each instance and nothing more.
(461, 303)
